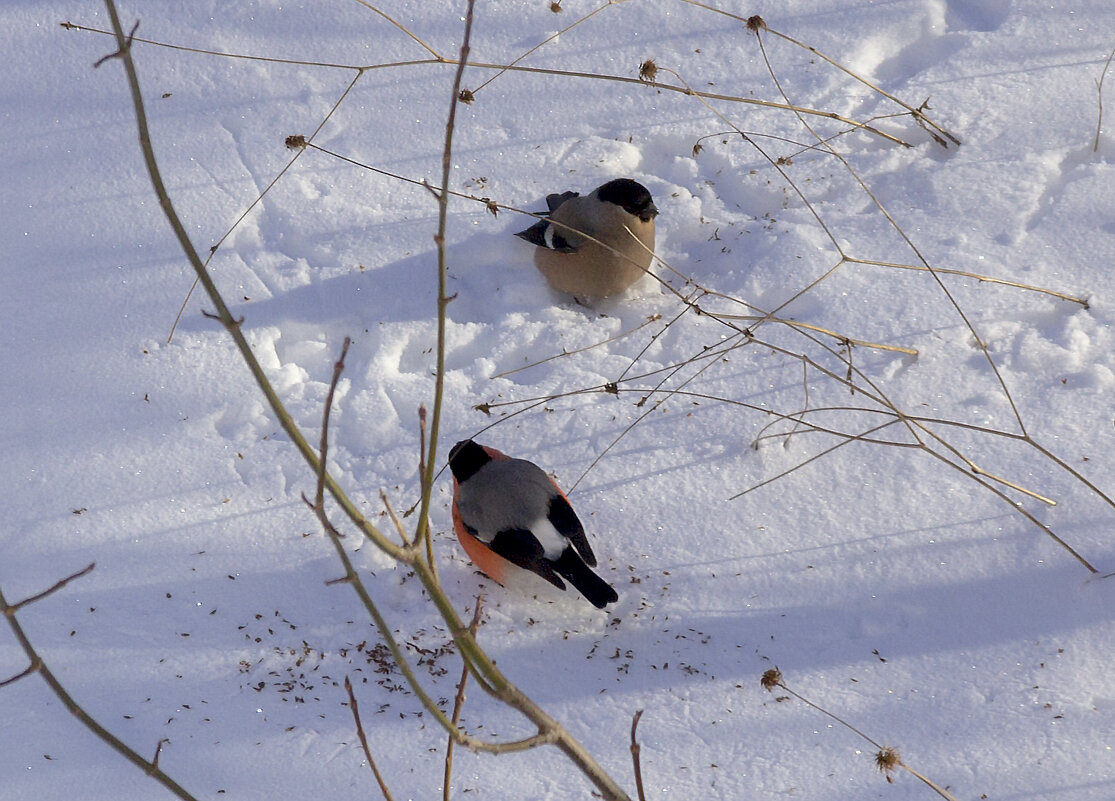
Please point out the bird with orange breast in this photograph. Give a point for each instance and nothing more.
(510, 512)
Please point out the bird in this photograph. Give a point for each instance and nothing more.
(585, 269)
(510, 512)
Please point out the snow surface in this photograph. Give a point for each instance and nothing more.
(891, 589)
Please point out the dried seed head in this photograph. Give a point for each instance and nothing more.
(466, 96)
(697, 148)
(296, 142)
(648, 70)
(556, 6)
(771, 679)
(756, 24)
(886, 760)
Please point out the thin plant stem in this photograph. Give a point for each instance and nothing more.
(402, 28)
(886, 757)
(323, 450)
(422, 532)
(355, 709)
(459, 702)
(564, 352)
(1099, 101)
(965, 274)
(243, 215)
(545, 42)
(519, 68)
(11, 610)
(905, 238)
(636, 750)
(37, 665)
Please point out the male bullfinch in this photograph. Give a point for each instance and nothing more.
(580, 266)
(508, 511)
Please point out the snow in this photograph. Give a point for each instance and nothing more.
(890, 589)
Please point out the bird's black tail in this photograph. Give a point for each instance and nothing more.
(599, 592)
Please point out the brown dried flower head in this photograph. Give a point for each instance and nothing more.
(296, 141)
(771, 679)
(886, 760)
(756, 24)
(466, 96)
(648, 70)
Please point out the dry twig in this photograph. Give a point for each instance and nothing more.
(355, 709)
(37, 665)
(886, 757)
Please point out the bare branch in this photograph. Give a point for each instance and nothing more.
(1099, 101)
(37, 665)
(635, 751)
(52, 589)
(428, 477)
(459, 701)
(886, 757)
(352, 705)
(400, 529)
(499, 68)
(443, 298)
(158, 750)
(125, 46)
(323, 450)
(32, 668)
(402, 28)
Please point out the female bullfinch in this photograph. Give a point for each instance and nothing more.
(581, 267)
(508, 511)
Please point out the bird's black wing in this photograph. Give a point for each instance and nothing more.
(565, 520)
(555, 200)
(536, 234)
(520, 547)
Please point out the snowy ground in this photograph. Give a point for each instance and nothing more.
(889, 588)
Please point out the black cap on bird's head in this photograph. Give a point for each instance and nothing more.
(631, 195)
(466, 458)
